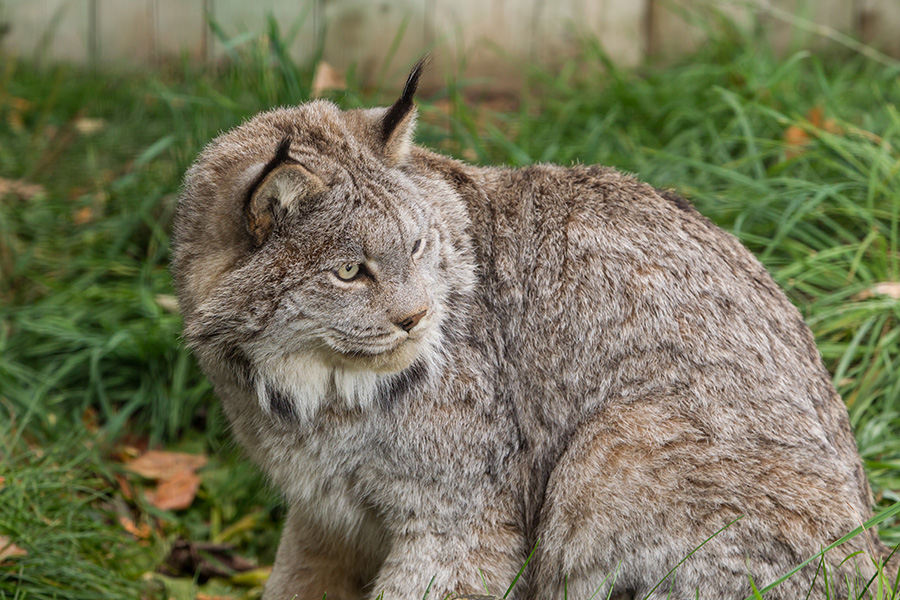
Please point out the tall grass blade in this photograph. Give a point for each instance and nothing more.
(522, 570)
(873, 522)
(691, 553)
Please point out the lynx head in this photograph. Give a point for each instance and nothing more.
(311, 248)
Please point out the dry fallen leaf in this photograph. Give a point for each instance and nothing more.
(141, 532)
(887, 288)
(176, 492)
(9, 550)
(87, 125)
(125, 487)
(796, 137)
(816, 116)
(19, 188)
(83, 215)
(159, 464)
(327, 78)
(884, 288)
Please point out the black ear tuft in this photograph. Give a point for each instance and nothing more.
(282, 155)
(258, 206)
(401, 107)
(284, 148)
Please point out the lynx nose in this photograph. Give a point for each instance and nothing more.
(411, 321)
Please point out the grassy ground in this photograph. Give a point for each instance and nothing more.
(797, 155)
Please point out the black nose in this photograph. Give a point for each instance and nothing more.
(411, 321)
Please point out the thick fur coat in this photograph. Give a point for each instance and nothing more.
(441, 364)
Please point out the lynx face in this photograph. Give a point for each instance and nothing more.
(361, 296)
(339, 279)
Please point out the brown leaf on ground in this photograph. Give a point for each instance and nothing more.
(202, 596)
(159, 464)
(816, 117)
(141, 532)
(83, 215)
(2, 481)
(125, 487)
(888, 288)
(9, 550)
(20, 188)
(176, 492)
(327, 78)
(796, 137)
(883, 288)
(88, 125)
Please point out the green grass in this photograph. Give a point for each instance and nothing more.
(60, 507)
(85, 333)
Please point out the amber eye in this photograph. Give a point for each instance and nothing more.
(348, 272)
(416, 247)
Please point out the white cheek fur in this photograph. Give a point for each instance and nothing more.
(300, 378)
(304, 381)
(298, 385)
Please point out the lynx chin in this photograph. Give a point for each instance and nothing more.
(441, 364)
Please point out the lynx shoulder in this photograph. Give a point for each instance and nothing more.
(441, 364)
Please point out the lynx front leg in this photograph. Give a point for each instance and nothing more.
(312, 562)
(453, 563)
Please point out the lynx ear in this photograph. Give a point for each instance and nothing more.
(398, 123)
(281, 183)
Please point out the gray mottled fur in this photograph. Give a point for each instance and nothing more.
(599, 367)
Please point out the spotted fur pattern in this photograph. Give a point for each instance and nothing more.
(598, 367)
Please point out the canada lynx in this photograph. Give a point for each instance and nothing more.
(441, 365)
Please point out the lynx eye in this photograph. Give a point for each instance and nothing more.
(417, 247)
(348, 272)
